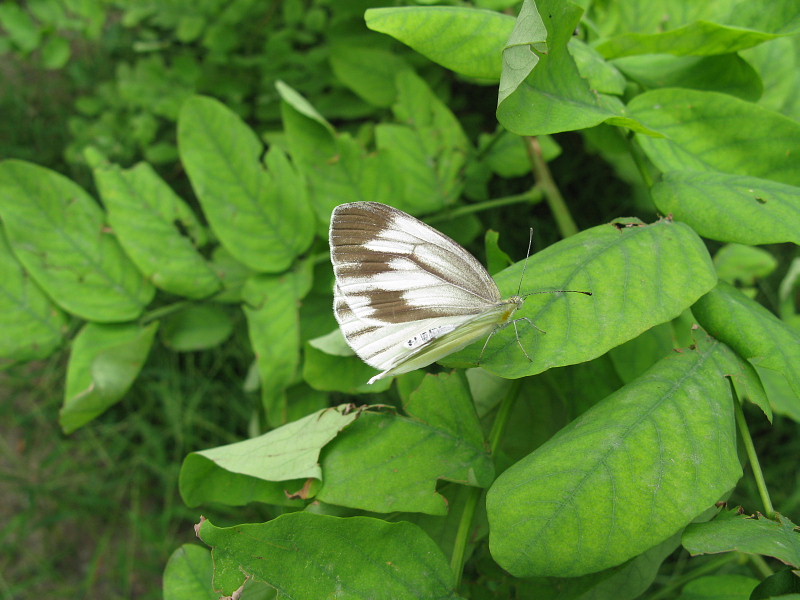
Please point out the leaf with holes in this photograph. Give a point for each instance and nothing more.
(307, 555)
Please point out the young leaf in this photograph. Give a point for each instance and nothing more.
(305, 555)
(144, 213)
(751, 330)
(709, 131)
(262, 216)
(104, 362)
(733, 532)
(387, 463)
(731, 208)
(288, 455)
(468, 41)
(32, 325)
(626, 475)
(57, 232)
(639, 275)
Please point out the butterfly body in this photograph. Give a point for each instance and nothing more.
(407, 295)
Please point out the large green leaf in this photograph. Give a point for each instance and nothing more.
(625, 476)
(280, 459)
(751, 330)
(731, 531)
(273, 323)
(709, 131)
(306, 555)
(555, 96)
(731, 208)
(639, 275)
(468, 41)
(104, 362)
(145, 214)
(32, 325)
(388, 463)
(262, 216)
(58, 232)
(624, 582)
(719, 587)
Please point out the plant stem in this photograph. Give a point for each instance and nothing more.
(555, 200)
(532, 196)
(638, 159)
(163, 311)
(755, 466)
(474, 494)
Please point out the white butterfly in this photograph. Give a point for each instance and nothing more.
(407, 295)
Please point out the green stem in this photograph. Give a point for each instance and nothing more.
(474, 494)
(532, 196)
(555, 200)
(163, 311)
(755, 466)
(639, 160)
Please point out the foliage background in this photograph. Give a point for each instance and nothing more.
(97, 513)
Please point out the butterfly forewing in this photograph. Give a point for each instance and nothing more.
(406, 294)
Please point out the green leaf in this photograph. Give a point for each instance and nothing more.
(196, 327)
(731, 208)
(554, 97)
(188, 574)
(639, 465)
(55, 52)
(783, 585)
(104, 362)
(743, 264)
(20, 27)
(731, 532)
(370, 72)
(57, 232)
(708, 131)
(468, 41)
(727, 73)
(719, 587)
(146, 215)
(262, 217)
(274, 329)
(700, 38)
(32, 325)
(601, 75)
(246, 471)
(305, 555)
(519, 58)
(325, 369)
(751, 330)
(387, 463)
(639, 275)
(426, 152)
(625, 582)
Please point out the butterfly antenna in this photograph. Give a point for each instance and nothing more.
(525, 264)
